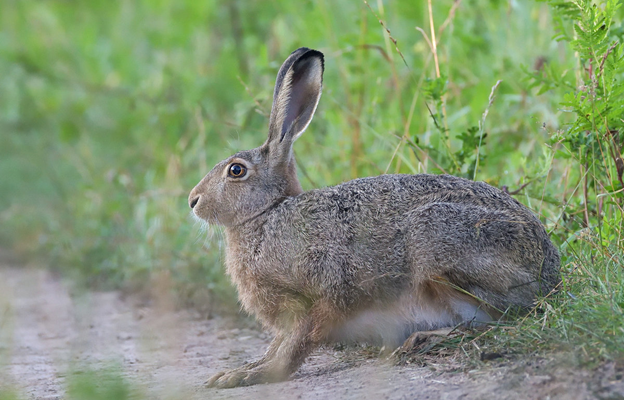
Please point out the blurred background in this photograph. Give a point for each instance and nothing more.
(111, 111)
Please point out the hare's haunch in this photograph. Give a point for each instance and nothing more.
(373, 259)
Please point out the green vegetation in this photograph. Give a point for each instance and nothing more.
(98, 385)
(110, 112)
(87, 384)
(590, 310)
(8, 395)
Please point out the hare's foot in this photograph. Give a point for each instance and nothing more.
(249, 366)
(211, 381)
(245, 377)
(421, 342)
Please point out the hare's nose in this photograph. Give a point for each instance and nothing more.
(193, 202)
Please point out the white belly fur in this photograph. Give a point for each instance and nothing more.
(390, 326)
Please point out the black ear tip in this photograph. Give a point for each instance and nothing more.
(304, 53)
(300, 50)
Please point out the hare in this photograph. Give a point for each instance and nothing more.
(373, 259)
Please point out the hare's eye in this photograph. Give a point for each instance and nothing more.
(237, 171)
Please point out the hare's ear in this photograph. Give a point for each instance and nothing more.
(297, 93)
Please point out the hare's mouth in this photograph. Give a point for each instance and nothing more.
(196, 217)
(205, 216)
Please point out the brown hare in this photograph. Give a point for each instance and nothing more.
(373, 259)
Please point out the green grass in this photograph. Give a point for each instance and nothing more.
(110, 112)
(89, 384)
(8, 395)
(105, 384)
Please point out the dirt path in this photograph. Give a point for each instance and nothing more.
(46, 335)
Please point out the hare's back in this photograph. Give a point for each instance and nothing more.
(401, 193)
(474, 234)
(380, 204)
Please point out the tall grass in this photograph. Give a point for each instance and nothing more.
(110, 112)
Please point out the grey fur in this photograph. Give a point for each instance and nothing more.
(372, 259)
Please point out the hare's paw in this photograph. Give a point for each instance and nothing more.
(213, 379)
(420, 342)
(227, 379)
(243, 377)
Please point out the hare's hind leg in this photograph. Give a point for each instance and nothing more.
(438, 310)
(421, 342)
(285, 354)
(490, 255)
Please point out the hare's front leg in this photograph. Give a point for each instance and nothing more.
(269, 354)
(284, 356)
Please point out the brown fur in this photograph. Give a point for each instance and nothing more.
(373, 259)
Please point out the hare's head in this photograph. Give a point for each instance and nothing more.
(249, 182)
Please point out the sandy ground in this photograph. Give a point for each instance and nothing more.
(46, 335)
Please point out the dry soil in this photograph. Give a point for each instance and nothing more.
(48, 334)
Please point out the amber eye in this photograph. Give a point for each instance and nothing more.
(237, 171)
